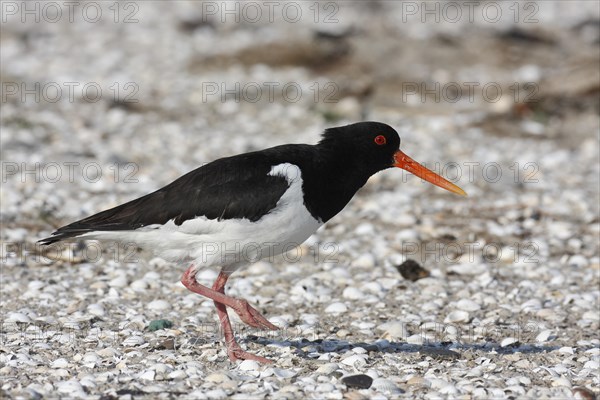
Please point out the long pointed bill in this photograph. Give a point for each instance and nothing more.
(408, 164)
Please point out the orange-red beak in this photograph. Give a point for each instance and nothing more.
(403, 161)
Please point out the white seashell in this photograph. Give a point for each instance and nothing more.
(508, 341)
(385, 386)
(159, 305)
(566, 350)
(415, 339)
(249, 365)
(327, 369)
(139, 285)
(467, 305)
(72, 387)
(355, 360)
(177, 375)
(394, 330)
(18, 317)
(107, 352)
(591, 315)
(118, 282)
(284, 373)
(336, 308)
(544, 335)
(353, 293)
(147, 375)
(59, 363)
(457, 316)
(162, 368)
(134, 340)
(96, 309)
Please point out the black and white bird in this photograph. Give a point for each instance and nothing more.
(237, 210)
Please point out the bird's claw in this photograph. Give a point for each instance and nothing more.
(235, 352)
(251, 316)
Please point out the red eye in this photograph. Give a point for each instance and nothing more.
(380, 140)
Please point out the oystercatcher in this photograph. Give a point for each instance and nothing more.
(237, 210)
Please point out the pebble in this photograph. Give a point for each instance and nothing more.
(361, 381)
(412, 271)
(159, 324)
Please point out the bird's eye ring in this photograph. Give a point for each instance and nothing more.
(380, 140)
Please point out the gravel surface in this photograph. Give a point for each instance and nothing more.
(507, 305)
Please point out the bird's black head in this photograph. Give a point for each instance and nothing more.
(365, 148)
(369, 146)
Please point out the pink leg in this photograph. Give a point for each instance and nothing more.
(246, 312)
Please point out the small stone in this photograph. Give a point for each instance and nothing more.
(441, 354)
(158, 324)
(167, 344)
(361, 381)
(412, 271)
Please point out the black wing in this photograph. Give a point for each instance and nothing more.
(233, 187)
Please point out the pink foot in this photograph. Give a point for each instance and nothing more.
(251, 316)
(235, 352)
